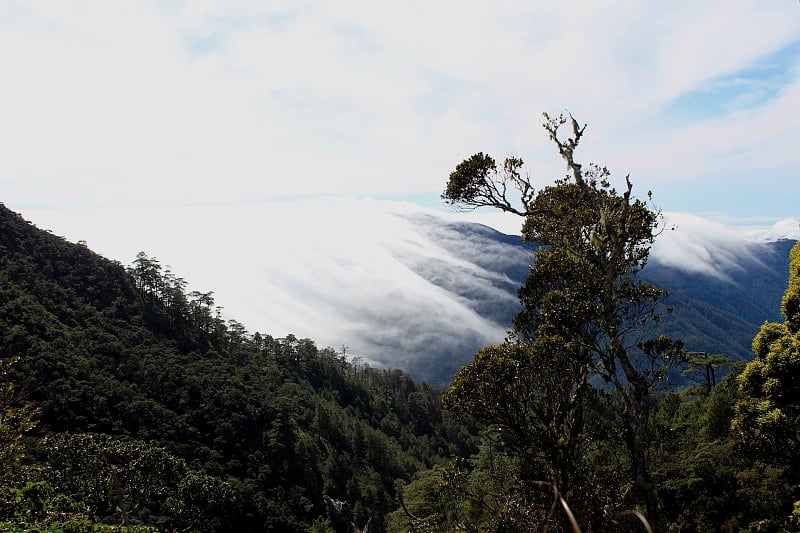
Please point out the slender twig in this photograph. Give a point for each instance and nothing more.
(641, 517)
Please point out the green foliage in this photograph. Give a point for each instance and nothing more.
(27, 504)
(15, 420)
(767, 419)
(533, 401)
(476, 183)
(321, 525)
(790, 305)
(766, 425)
(37, 506)
(708, 365)
(470, 178)
(453, 497)
(694, 464)
(494, 492)
(126, 482)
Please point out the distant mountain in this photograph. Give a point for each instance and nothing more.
(715, 312)
(721, 314)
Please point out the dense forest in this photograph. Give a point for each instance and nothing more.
(130, 404)
(151, 410)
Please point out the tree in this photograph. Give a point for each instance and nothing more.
(766, 425)
(708, 365)
(14, 422)
(767, 420)
(528, 396)
(124, 480)
(583, 294)
(146, 273)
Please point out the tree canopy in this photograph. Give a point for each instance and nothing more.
(766, 424)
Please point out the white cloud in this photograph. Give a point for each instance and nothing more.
(360, 273)
(782, 229)
(701, 245)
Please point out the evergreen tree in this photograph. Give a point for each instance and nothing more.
(15, 421)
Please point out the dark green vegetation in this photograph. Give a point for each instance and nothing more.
(127, 404)
(153, 411)
(580, 427)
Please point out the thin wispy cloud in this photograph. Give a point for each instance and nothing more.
(151, 103)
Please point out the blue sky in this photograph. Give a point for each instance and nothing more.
(171, 103)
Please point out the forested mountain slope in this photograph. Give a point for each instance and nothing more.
(721, 313)
(244, 432)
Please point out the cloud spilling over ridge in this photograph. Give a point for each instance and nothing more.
(698, 245)
(370, 275)
(783, 229)
(694, 244)
(391, 281)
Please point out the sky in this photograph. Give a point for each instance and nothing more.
(172, 103)
(263, 139)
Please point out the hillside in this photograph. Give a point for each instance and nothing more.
(722, 313)
(269, 427)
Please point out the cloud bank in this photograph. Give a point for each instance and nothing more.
(697, 245)
(391, 281)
